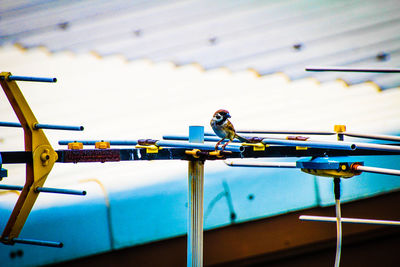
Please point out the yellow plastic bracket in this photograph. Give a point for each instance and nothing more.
(193, 152)
(43, 158)
(256, 146)
(150, 148)
(75, 145)
(216, 153)
(339, 128)
(102, 145)
(301, 148)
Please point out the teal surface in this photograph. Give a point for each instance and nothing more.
(160, 211)
(364, 185)
(80, 223)
(234, 196)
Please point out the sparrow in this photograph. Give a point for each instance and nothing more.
(223, 128)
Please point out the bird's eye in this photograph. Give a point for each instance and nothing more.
(218, 117)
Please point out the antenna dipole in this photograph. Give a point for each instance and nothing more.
(349, 69)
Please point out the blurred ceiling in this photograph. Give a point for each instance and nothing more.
(267, 36)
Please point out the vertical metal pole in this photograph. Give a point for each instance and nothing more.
(336, 188)
(195, 215)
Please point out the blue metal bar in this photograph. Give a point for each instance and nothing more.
(314, 144)
(44, 126)
(45, 190)
(187, 145)
(347, 69)
(368, 136)
(180, 137)
(37, 242)
(286, 132)
(236, 148)
(59, 127)
(186, 138)
(162, 143)
(60, 191)
(10, 124)
(261, 164)
(122, 142)
(214, 138)
(31, 79)
(378, 147)
(11, 187)
(93, 142)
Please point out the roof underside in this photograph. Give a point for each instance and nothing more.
(267, 36)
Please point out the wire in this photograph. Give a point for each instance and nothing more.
(336, 189)
(338, 233)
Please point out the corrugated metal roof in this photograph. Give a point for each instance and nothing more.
(146, 201)
(267, 36)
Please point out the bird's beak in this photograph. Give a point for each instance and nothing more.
(228, 115)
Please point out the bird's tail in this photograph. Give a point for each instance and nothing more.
(253, 139)
(242, 139)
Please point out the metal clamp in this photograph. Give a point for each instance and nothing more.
(217, 153)
(194, 153)
(102, 145)
(256, 146)
(75, 145)
(211, 155)
(149, 148)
